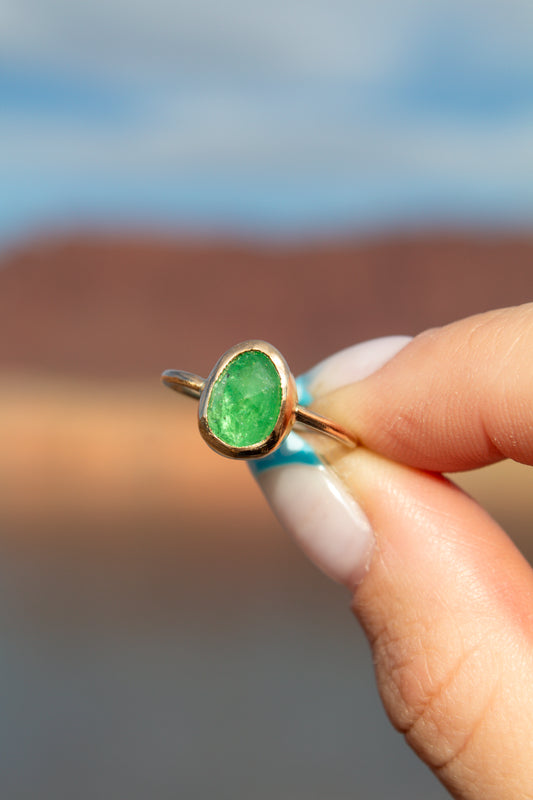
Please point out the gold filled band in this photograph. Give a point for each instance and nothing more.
(248, 403)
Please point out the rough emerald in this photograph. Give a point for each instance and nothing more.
(245, 401)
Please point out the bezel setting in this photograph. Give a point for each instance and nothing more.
(287, 411)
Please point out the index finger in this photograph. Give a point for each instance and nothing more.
(454, 398)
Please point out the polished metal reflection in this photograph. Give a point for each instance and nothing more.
(290, 412)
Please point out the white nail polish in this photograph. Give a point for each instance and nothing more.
(352, 364)
(308, 498)
(313, 505)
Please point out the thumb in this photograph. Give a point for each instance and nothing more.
(444, 596)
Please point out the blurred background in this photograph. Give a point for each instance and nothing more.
(176, 177)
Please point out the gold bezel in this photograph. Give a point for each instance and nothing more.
(287, 410)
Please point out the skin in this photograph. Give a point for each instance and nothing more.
(447, 602)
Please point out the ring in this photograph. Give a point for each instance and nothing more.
(249, 402)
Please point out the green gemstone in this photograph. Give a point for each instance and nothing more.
(245, 401)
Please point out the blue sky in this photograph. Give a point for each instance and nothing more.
(286, 117)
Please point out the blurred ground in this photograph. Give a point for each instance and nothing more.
(160, 635)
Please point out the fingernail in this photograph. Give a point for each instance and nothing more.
(350, 365)
(308, 498)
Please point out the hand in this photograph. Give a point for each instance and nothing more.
(444, 596)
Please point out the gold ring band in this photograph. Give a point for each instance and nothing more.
(248, 403)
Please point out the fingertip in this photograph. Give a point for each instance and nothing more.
(447, 607)
(317, 510)
(308, 498)
(455, 398)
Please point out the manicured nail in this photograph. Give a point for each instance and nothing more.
(350, 365)
(308, 498)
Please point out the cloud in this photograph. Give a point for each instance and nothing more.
(235, 37)
(338, 39)
(397, 100)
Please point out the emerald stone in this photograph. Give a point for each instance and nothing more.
(245, 400)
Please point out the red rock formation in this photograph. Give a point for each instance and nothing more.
(131, 306)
